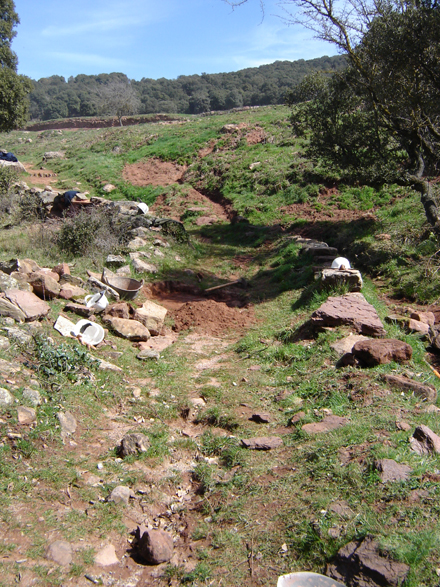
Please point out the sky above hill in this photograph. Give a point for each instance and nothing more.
(154, 38)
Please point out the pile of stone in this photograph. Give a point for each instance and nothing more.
(25, 287)
(324, 270)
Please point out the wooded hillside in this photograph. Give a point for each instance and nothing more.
(54, 97)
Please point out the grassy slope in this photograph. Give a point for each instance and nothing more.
(256, 514)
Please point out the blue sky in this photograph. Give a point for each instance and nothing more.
(154, 38)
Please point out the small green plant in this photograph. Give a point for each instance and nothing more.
(50, 361)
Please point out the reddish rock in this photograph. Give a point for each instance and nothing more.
(48, 272)
(351, 309)
(426, 392)
(424, 441)
(262, 442)
(328, 424)
(119, 310)
(32, 307)
(79, 309)
(296, 418)
(62, 269)
(379, 352)
(425, 317)
(389, 470)
(44, 286)
(417, 326)
(131, 329)
(155, 546)
(360, 563)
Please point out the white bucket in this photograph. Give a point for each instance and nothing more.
(339, 261)
(97, 301)
(90, 332)
(143, 207)
(307, 580)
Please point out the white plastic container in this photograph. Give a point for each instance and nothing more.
(307, 580)
(97, 301)
(339, 261)
(90, 332)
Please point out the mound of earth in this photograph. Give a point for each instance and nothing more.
(153, 172)
(212, 318)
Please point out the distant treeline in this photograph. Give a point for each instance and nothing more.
(54, 97)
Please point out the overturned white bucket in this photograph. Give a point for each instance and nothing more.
(305, 579)
(341, 262)
(89, 332)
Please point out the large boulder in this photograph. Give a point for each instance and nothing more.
(32, 307)
(154, 546)
(10, 310)
(152, 316)
(380, 352)
(44, 286)
(131, 329)
(333, 278)
(361, 564)
(352, 310)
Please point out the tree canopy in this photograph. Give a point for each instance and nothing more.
(380, 118)
(55, 97)
(14, 88)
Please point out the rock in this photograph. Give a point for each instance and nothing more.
(18, 335)
(261, 418)
(64, 326)
(79, 309)
(26, 416)
(7, 368)
(148, 354)
(32, 396)
(106, 366)
(380, 352)
(424, 317)
(262, 442)
(152, 316)
(360, 564)
(155, 546)
(61, 269)
(4, 343)
(67, 279)
(118, 310)
(67, 422)
(389, 470)
(60, 552)
(10, 310)
(21, 279)
(351, 278)
(141, 267)
(53, 155)
(131, 329)
(121, 494)
(417, 326)
(124, 271)
(9, 266)
(328, 424)
(345, 345)
(19, 167)
(115, 260)
(133, 444)
(32, 307)
(8, 282)
(70, 291)
(342, 509)
(49, 272)
(296, 418)
(28, 266)
(424, 441)
(159, 343)
(136, 243)
(426, 392)
(351, 309)
(106, 556)
(6, 399)
(44, 286)
(109, 187)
